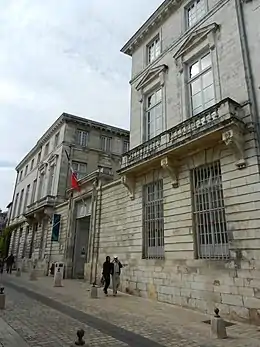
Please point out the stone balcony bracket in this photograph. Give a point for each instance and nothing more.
(234, 138)
(172, 171)
(129, 183)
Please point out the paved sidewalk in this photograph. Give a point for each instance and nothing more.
(9, 337)
(165, 324)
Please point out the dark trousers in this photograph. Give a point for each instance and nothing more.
(9, 268)
(107, 283)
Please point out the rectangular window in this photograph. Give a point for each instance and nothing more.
(201, 84)
(195, 11)
(39, 157)
(82, 138)
(125, 147)
(26, 197)
(20, 202)
(33, 191)
(105, 170)
(46, 150)
(41, 186)
(209, 212)
(32, 164)
(153, 220)
(15, 205)
(106, 143)
(153, 50)
(153, 115)
(56, 140)
(26, 170)
(50, 181)
(80, 169)
(21, 175)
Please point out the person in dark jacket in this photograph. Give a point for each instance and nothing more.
(116, 272)
(107, 271)
(9, 263)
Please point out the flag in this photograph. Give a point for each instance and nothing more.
(73, 178)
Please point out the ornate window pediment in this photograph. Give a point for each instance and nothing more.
(195, 38)
(151, 74)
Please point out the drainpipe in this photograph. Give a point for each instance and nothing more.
(248, 75)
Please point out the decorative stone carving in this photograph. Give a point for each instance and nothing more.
(42, 167)
(179, 65)
(171, 170)
(235, 140)
(129, 183)
(52, 161)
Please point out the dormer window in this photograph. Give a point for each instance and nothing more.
(195, 11)
(153, 49)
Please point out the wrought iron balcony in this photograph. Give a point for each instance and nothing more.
(218, 117)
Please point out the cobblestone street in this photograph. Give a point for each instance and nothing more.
(47, 316)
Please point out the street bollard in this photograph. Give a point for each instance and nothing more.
(58, 279)
(18, 272)
(94, 291)
(2, 298)
(33, 276)
(218, 326)
(80, 335)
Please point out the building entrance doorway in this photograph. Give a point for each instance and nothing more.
(81, 246)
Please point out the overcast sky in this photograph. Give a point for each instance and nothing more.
(61, 56)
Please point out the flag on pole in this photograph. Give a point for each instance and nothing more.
(73, 178)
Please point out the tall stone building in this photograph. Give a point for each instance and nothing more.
(43, 178)
(185, 214)
(3, 220)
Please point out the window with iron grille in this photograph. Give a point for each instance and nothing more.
(201, 84)
(195, 11)
(153, 50)
(125, 146)
(153, 220)
(209, 212)
(82, 138)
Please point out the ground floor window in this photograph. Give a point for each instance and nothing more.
(209, 212)
(153, 220)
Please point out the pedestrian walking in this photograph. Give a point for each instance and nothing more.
(116, 272)
(9, 263)
(107, 271)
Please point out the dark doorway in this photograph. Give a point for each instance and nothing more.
(81, 246)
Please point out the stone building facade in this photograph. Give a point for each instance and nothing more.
(184, 216)
(43, 179)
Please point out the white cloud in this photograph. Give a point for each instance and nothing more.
(62, 56)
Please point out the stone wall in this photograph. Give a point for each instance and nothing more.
(231, 285)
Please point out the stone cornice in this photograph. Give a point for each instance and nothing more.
(163, 11)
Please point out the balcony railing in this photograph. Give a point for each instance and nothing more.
(46, 201)
(215, 117)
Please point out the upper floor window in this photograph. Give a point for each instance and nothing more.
(39, 157)
(153, 114)
(21, 175)
(153, 50)
(195, 11)
(26, 170)
(46, 150)
(125, 146)
(82, 138)
(106, 143)
(80, 169)
(32, 164)
(56, 139)
(201, 84)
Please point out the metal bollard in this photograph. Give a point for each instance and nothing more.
(33, 276)
(94, 291)
(80, 335)
(2, 298)
(58, 279)
(218, 326)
